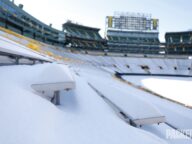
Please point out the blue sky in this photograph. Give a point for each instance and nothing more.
(174, 15)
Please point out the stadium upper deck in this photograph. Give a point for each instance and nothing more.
(133, 33)
(16, 19)
(179, 42)
(83, 37)
(133, 42)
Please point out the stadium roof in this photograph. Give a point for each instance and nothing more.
(180, 32)
(69, 23)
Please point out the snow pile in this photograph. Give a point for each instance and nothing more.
(55, 73)
(54, 78)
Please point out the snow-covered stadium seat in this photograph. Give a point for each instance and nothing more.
(54, 78)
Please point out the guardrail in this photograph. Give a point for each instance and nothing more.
(150, 74)
(17, 59)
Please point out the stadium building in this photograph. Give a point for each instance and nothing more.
(179, 43)
(14, 18)
(126, 33)
(83, 37)
(132, 33)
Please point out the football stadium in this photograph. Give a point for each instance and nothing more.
(76, 86)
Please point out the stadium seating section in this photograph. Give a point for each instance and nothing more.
(83, 37)
(16, 19)
(179, 43)
(133, 42)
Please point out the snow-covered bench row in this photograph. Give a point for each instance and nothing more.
(127, 105)
(139, 65)
(9, 47)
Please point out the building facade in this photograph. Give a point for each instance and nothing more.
(133, 33)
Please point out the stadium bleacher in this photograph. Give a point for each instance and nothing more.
(179, 43)
(133, 42)
(83, 37)
(14, 18)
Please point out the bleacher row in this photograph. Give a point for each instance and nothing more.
(183, 50)
(137, 65)
(133, 40)
(80, 31)
(76, 43)
(136, 49)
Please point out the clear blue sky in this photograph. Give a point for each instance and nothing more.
(174, 15)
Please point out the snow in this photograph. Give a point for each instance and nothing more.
(53, 78)
(124, 99)
(54, 73)
(162, 131)
(177, 89)
(177, 115)
(82, 118)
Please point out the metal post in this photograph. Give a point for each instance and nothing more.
(56, 98)
(34, 61)
(17, 60)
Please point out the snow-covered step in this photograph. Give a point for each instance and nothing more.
(139, 111)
